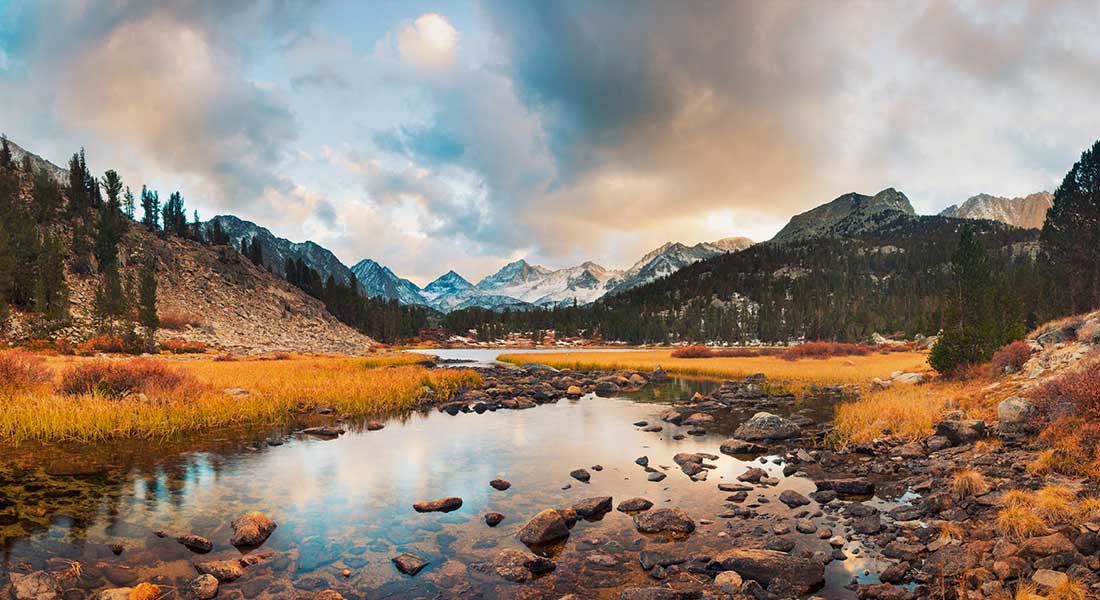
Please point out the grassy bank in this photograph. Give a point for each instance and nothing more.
(820, 371)
(71, 398)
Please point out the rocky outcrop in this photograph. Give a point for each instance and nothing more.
(766, 426)
(780, 573)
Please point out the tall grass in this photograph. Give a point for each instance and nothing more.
(274, 391)
(907, 412)
(826, 371)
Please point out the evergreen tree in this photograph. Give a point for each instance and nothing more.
(175, 217)
(110, 300)
(971, 332)
(1071, 235)
(255, 251)
(7, 265)
(128, 204)
(111, 224)
(46, 197)
(5, 153)
(150, 204)
(51, 298)
(147, 298)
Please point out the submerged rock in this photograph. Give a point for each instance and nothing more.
(223, 570)
(39, 585)
(447, 504)
(664, 520)
(251, 529)
(492, 519)
(408, 563)
(735, 446)
(518, 566)
(590, 507)
(203, 587)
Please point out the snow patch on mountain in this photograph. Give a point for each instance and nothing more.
(379, 281)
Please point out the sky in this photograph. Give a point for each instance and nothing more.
(462, 135)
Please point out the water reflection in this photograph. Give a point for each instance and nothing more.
(346, 503)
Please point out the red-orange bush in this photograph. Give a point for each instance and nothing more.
(176, 320)
(1011, 357)
(20, 369)
(107, 343)
(825, 350)
(693, 352)
(118, 378)
(1074, 394)
(182, 346)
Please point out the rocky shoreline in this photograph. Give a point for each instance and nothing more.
(897, 504)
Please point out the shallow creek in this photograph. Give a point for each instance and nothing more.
(347, 503)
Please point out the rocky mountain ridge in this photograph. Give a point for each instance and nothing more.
(849, 214)
(1026, 212)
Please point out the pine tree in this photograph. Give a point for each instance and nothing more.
(255, 251)
(5, 153)
(7, 265)
(175, 217)
(46, 196)
(1071, 235)
(128, 204)
(52, 293)
(150, 204)
(111, 225)
(218, 236)
(971, 333)
(110, 301)
(147, 298)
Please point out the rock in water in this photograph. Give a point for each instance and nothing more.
(518, 566)
(793, 499)
(500, 484)
(409, 564)
(493, 519)
(590, 507)
(442, 505)
(203, 587)
(223, 570)
(766, 426)
(782, 574)
(635, 505)
(546, 527)
(251, 529)
(581, 475)
(39, 585)
(662, 520)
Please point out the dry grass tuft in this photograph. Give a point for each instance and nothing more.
(988, 445)
(1018, 523)
(950, 531)
(967, 482)
(1070, 590)
(1026, 591)
(116, 378)
(1055, 504)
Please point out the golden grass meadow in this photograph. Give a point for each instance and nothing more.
(206, 393)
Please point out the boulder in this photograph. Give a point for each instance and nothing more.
(909, 378)
(663, 520)
(728, 582)
(574, 392)
(793, 499)
(782, 574)
(659, 376)
(581, 475)
(223, 570)
(1046, 545)
(847, 488)
(251, 529)
(375, 425)
(546, 527)
(1016, 413)
(961, 431)
(442, 505)
(500, 484)
(1089, 331)
(765, 426)
(328, 595)
(492, 519)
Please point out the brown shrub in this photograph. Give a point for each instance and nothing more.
(118, 378)
(225, 358)
(178, 320)
(693, 352)
(825, 350)
(20, 369)
(1011, 357)
(182, 346)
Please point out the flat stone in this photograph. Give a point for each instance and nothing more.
(408, 563)
(635, 505)
(664, 520)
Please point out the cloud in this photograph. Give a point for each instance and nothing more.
(428, 43)
(322, 77)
